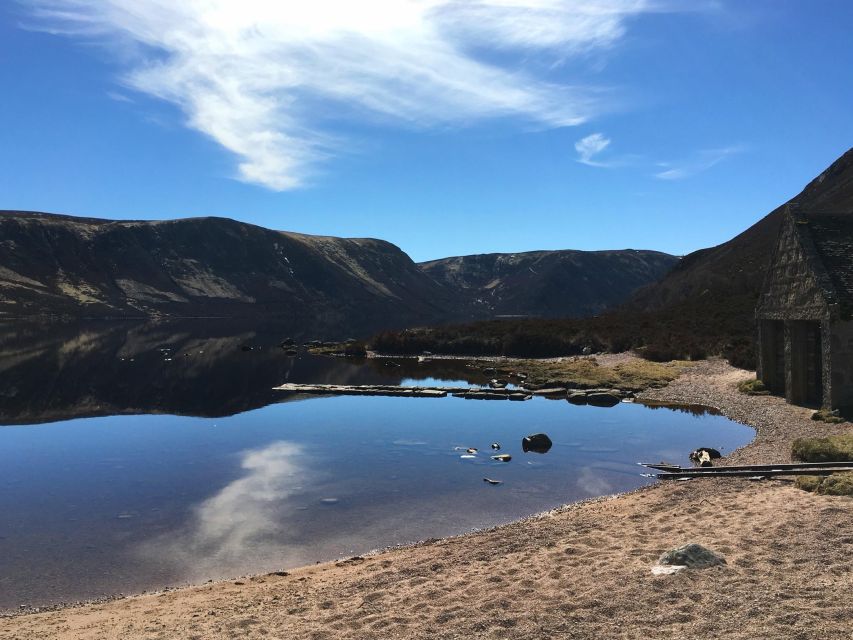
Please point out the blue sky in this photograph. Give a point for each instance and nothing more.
(445, 127)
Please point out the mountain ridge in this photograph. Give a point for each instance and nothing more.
(67, 266)
(524, 283)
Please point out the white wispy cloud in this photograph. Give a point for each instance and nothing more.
(700, 161)
(272, 82)
(118, 97)
(590, 147)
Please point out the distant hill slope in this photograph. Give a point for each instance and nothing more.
(729, 276)
(550, 283)
(51, 264)
(54, 265)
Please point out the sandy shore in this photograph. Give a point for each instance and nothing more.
(582, 571)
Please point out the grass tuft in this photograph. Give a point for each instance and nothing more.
(837, 484)
(825, 415)
(753, 388)
(588, 373)
(830, 449)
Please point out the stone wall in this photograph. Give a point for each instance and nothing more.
(791, 291)
(841, 366)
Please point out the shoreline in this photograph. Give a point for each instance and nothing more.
(708, 383)
(608, 360)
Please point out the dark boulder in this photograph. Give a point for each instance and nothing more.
(537, 442)
(578, 397)
(603, 399)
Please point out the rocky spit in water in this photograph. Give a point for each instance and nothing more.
(598, 397)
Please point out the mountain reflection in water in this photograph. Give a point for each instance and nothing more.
(51, 372)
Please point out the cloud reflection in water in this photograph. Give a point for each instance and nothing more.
(245, 526)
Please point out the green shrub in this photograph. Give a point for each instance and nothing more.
(830, 449)
(355, 350)
(686, 332)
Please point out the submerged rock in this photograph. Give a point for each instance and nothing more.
(537, 442)
(550, 392)
(496, 446)
(484, 395)
(502, 457)
(490, 481)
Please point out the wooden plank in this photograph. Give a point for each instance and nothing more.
(812, 471)
(748, 467)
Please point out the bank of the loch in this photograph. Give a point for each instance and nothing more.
(582, 571)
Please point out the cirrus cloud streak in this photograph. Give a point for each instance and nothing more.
(273, 82)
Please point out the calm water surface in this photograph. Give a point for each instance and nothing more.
(95, 504)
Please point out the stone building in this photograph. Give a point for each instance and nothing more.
(805, 311)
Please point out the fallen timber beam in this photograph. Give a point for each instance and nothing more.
(673, 468)
(705, 473)
(470, 393)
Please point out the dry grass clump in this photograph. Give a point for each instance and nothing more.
(753, 388)
(587, 373)
(830, 449)
(837, 484)
(830, 416)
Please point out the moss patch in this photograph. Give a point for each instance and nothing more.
(830, 449)
(838, 484)
(753, 388)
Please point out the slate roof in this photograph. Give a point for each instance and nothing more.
(832, 237)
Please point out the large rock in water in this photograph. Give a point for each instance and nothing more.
(691, 556)
(577, 397)
(603, 399)
(537, 442)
